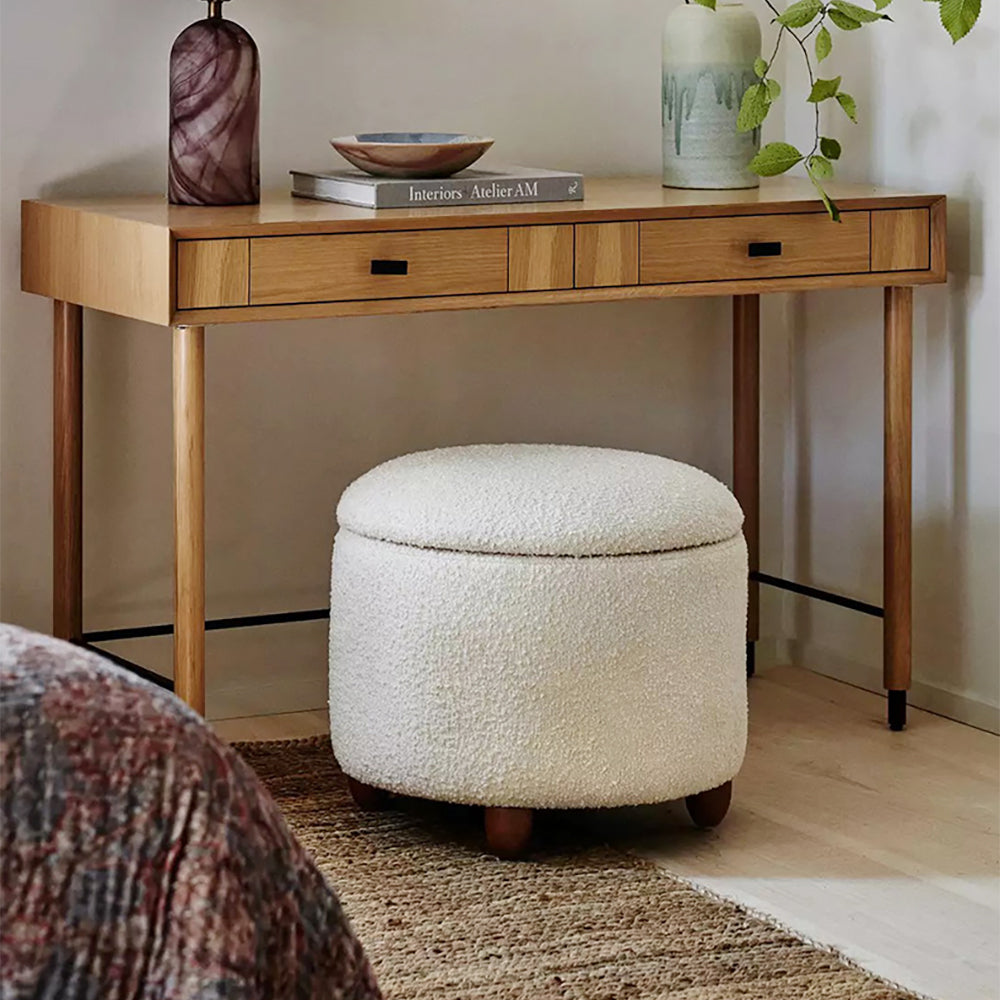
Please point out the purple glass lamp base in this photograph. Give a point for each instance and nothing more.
(214, 116)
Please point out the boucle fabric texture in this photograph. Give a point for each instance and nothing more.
(141, 858)
(540, 499)
(536, 680)
(442, 920)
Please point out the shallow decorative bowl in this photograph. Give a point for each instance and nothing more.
(411, 154)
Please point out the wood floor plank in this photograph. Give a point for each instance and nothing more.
(286, 726)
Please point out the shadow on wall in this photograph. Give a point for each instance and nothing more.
(129, 175)
(949, 532)
(837, 403)
(836, 398)
(295, 411)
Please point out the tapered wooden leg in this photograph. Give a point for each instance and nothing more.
(746, 443)
(67, 473)
(708, 809)
(367, 797)
(897, 506)
(508, 831)
(189, 515)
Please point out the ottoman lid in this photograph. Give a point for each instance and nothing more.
(540, 499)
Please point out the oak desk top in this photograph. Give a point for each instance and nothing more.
(169, 264)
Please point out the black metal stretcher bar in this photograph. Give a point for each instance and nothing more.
(319, 614)
(820, 595)
(131, 666)
(897, 699)
(214, 625)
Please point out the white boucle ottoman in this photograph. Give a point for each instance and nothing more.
(539, 626)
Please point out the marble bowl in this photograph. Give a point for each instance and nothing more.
(411, 154)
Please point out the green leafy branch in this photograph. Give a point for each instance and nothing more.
(806, 21)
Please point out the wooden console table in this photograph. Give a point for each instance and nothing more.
(186, 268)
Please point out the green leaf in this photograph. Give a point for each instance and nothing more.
(823, 90)
(842, 21)
(862, 14)
(831, 205)
(882, 4)
(760, 67)
(773, 89)
(753, 108)
(850, 107)
(820, 168)
(824, 43)
(959, 16)
(775, 158)
(830, 148)
(705, 3)
(799, 14)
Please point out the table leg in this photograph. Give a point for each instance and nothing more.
(189, 515)
(746, 443)
(67, 477)
(897, 503)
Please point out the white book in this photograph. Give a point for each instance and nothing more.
(504, 185)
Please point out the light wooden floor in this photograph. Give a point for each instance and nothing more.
(886, 845)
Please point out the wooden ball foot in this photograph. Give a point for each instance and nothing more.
(708, 809)
(508, 831)
(367, 797)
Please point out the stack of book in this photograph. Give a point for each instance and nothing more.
(503, 185)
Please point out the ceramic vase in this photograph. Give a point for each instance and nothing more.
(214, 114)
(708, 59)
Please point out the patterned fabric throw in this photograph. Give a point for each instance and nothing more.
(141, 858)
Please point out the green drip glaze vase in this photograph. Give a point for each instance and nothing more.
(708, 59)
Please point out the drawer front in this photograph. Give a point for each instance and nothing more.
(293, 269)
(756, 246)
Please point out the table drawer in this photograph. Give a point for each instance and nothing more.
(756, 246)
(291, 269)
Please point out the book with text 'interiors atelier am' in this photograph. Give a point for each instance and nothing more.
(503, 185)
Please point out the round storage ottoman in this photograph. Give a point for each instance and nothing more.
(539, 626)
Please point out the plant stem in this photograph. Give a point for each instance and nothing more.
(812, 76)
(777, 45)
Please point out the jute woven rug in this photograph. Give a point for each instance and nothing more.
(439, 918)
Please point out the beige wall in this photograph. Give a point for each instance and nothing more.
(297, 410)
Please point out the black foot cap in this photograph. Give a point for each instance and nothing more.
(751, 659)
(897, 711)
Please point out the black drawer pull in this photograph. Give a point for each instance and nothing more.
(390, 266)
(764, 249)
